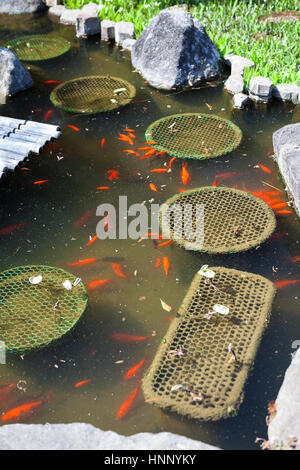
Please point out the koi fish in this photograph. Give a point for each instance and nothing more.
(128, 130)
(153, 187)
(283, 212)
(103, 142)
(227, 175)
(157, 263)
(134, 370)
(166, 264)
(97, 283)
(74, 128)
(6, 389)
(48, 114)
(168, 242)
(40, 182)
(145, 148)
(281, 284)
(128, 403)
(185, 175)
(159, 170)
(82, 382)
(264, 168)
(83, 219)
(126, 138)
(215, 183)
(118, 271)
(112, 174)
(83, 262)
(280, 205)
(182, 190)
(11, 228)
(124, 338)
(52, 82)
(92, 240)
(102, 188)
(23, 411)
(151, 143)
(132, 152)
(171, 162)
(148, 154)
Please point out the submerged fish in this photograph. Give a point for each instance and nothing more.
(134, 370)
(75, 128)
(6, 389)
(281, 284)
(97, 283)
(23, 411)
(118, 270)
(52, 82)
(112, 174)
(82, 262)
(166, 264)
(168, 242)
(48, 114)
(124, 338)
(11, 228)
(153, 187)
(83, 219)
(128, 403)
(40, 182)
(185, 175)
(92, 240)
(82, 382)
(264, 168)
(103, 142)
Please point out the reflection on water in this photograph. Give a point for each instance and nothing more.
(132, 305)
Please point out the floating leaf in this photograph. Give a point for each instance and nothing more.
(165, 306)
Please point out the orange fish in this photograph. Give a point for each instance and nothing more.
(284, 212)
(48, 114)
(97, 283)
(280, 284)
(22, 411)
(83, 262)
(148, 154)
(279, 205)
(295, 258)
(126, 138)
(6, 389)
(134, 370)
(52, 82)
(166, 264)
(92, 240)
(145, 148)
(158, 263)
(182, 190)
(40, 182)
(103, 187)
(168, 242)
(185, 175)
(83, 219)
(264, 168)
(153, 187)
(159, 170)
(128, 130)
(127, 403)
(11, 228)
(112, 174)
(74, 128)
(124, 338)
(228, 175)
(171, 162)
(215, 183)
(103, 142)
(151, 143)
(117, 270)
(82, 382)
(132, 152)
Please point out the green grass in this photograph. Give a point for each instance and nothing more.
(231, 25)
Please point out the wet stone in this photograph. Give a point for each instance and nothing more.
(238, 63)
(69, 17)
(107, 30)
(87, 24)
(14, 76)
(234, 84)
(285, 92)
(123, 30)
(56, 10)
(260, 89)
(128, 44)
(240, 100)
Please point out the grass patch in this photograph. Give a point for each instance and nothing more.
(233, 27)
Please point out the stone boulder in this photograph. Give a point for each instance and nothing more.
(286, 92)
(16, 7)
(286, 423)
(260, 89)
(174, 51)
(14, 76)
(286, 143)
(81, 436)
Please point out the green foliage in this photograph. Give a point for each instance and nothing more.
(233, 27)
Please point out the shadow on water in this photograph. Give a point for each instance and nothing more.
(132, 305)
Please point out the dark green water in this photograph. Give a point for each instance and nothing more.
(50, 237)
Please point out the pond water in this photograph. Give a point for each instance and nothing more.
(132, 305)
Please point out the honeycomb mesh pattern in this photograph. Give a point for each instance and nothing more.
(92, 94)
(194, 135)
(28, 317)
(205, 368)
(234, 220)
(39, 47)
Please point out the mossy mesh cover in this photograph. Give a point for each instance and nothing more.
(33, 315)
(194, 135)
(39, 47)
(92, 94)
(234, 220)
(203, 364)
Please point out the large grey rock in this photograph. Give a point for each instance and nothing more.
(260, 89)
(80, 436)
(69, 17)
(123, 30)
(16, 7)
(286, 143)
(174, 50)
(14, 76)
(286, 422)
(285, 92)
(128, 44)
(240, 100)
(87, 24)
(238, 63)
(107, 30)
(234, 84)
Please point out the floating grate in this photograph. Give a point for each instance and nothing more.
(233, 221)
(33, 315)
(194, 135)
(40, 47)
(194, 371)
(93, 94)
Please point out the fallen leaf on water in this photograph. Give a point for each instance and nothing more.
(165, 306)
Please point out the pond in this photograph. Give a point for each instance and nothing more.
(51, 236)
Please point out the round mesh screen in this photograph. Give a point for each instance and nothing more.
(233, 221)
(193, 371)
(40, 47)
(34, 314)
(93, 94)
(194, 135)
